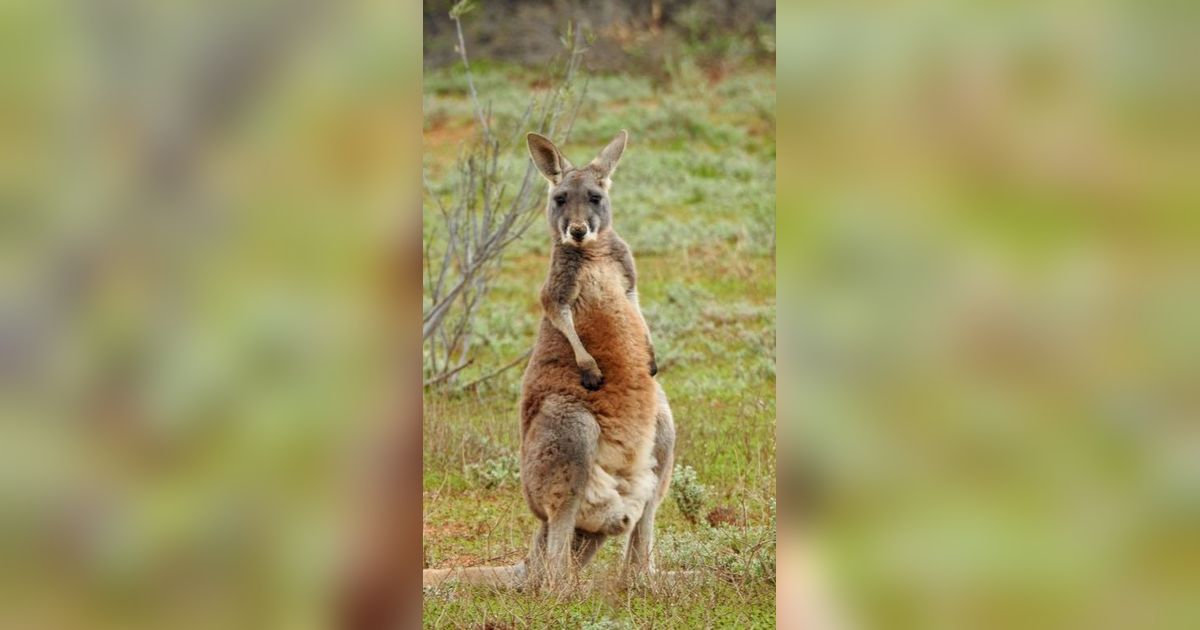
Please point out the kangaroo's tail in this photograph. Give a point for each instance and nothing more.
(506, 576)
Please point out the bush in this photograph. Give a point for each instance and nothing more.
(604, 623)
(731, 553)
(495, 472)
(688, 492)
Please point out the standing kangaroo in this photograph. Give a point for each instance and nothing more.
(597, 436)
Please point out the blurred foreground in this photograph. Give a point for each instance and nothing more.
(990, 284)
(202, 203)
(989, 220)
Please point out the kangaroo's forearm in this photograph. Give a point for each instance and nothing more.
(625, 258)
(637, 308)
(633, 297)
(561, 318)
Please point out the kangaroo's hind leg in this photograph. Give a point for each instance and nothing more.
(557, 455)
(585, 545)
(641, 539)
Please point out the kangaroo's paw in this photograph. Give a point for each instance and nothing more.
(592, 379)
(617, 525)
(653, 366)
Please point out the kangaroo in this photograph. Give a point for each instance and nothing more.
(597, 434)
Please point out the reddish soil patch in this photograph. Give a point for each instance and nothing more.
(444, 133)
(721, 515)
(445, 529)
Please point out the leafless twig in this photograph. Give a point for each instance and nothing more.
(499, 370)
(445, 375)
(477, 222)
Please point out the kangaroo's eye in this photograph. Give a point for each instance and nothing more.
(594, 198)
(560, 199)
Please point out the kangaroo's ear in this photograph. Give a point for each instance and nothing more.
(547, 158)
(607, 161)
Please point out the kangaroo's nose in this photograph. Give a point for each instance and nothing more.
(578, 232)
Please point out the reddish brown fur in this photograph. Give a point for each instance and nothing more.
(612, 331)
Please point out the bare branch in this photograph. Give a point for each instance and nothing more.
(462, 51)
(499, 370)
(445, 375)
(485, 216)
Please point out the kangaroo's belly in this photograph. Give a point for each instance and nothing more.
(616, 493)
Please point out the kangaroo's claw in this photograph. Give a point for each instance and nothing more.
(592, 380)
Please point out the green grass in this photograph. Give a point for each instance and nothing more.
(694, 197)
(707, 603)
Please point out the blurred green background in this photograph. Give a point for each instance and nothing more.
(990, 296)
(988, 290)
(201, 206)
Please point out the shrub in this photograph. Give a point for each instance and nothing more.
(731, 553)
(495, 472)
(604, 623)
(688, 492)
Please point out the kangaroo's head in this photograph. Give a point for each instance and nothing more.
(578, 208)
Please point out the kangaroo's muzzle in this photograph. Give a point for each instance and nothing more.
(578, 233)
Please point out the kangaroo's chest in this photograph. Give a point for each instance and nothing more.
(611, 329)
(602, 286)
